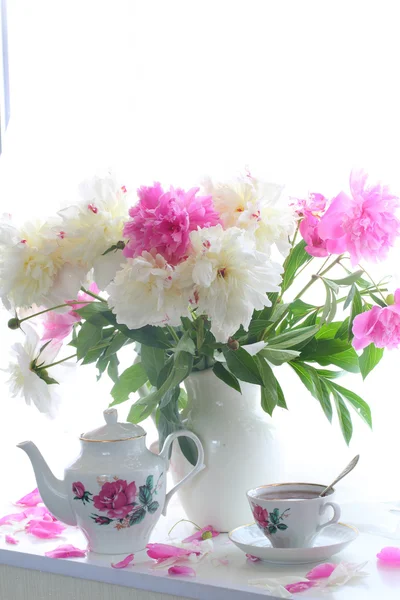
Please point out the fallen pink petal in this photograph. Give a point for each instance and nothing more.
(321, 571)
(390, 555)
(8, 519)
(11, 540)
(299, 586)
(31, 499)
(123, 563)
(252, 558)
(66, 551)
(205, 533)
(218, 562)
(44, 529)
(40, 512)
(163, 551)
(188, 571)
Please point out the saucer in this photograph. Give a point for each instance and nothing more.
(330, 541)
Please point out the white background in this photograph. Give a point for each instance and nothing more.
(171, 90)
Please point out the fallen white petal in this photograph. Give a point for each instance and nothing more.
(343, 573)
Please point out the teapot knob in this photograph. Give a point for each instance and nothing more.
(111, 416)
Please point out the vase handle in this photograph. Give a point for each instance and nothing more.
(199, 466)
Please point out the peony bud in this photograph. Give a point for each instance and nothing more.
(14, 323)
(390, 299)
(233, 344)
(206, 535)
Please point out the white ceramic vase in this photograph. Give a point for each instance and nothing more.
(240, 446)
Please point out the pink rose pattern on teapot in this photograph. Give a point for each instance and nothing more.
(121, 503)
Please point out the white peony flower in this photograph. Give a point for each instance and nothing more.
(24, 381)
(257, 207)
(148, 291)
(231, 278)
(95, 224)
(30, 258)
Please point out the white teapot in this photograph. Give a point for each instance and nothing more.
(115, 491)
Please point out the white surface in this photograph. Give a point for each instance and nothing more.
(222, 582)
(241, 447)
(331, 541)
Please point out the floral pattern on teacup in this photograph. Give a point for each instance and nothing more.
(122, 502)
(270, 522)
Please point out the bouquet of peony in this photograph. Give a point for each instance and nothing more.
(202, 279)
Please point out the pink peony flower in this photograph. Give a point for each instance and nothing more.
(378, 326)
(163, 221)
(314, 205)
(390, 555)
(78, 489)
(58, 326)
(122, 564)
(363, 224)
(260, 515)
(308, 228)
(31, 499)
(116, 498)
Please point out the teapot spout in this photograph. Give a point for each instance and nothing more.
(52, 490)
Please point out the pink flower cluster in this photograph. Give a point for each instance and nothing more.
(362, 223)
(163, 221)
(378, 326)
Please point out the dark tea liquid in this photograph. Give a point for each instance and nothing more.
(289, 495)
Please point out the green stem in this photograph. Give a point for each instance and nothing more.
(376, 286)
(89, 293)
(313, 279)
(295, 234)
(42, 312)
(56, 363)
(185, 521)
(173, 333)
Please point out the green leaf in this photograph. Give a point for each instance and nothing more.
(165, 372)
(361, 407)
(343, 414)
(334, 287)
(150, 482)
(43, 374)
(145, 495)
(281, 397)
(269, 391)
(293, 337)
(347, 360)
(181, 368)
(129, 381)
(377, 300)
(112, 370)
(92, 355)
(277, 313)
(325, 400)
(148, 335)
(227, 377)
(296, 259)
(350, 296)
(185, 344)
(342, 332)
(299, 308)
(369, 359)
(137, 516)
(313, 383)
(189, 449)
(119, 340)
(95, 312)
(356, 309)
(88, 337)
(329, 374)
(152, 507)
(272, 528)
(277, 356)
(319, 348)
(153, 361)
(349, 279)
(282, 526)
(273, 518)
(242, 365)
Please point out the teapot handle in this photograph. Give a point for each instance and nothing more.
(199, 466)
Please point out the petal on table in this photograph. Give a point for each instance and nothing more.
(123, 563)
(66, 551)
(31, 499)
(389, 555)
(182, 570)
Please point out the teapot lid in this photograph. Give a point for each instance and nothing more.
(113, 431)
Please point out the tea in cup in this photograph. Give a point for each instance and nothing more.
(292, 514)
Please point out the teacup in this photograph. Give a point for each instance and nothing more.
(291, 514)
